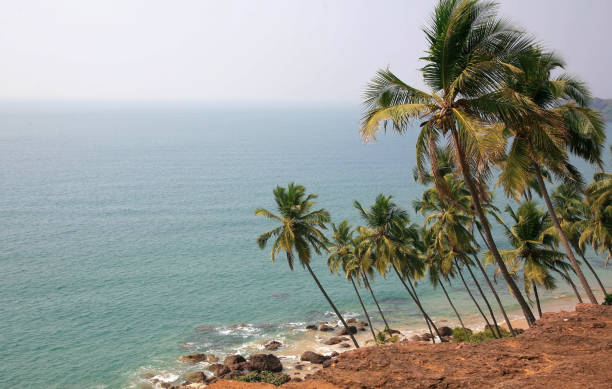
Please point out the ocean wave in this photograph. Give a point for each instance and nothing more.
(241, 330)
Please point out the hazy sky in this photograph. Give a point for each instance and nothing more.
(322, 50)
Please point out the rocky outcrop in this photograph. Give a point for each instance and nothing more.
(219, 370)
(264, 362)
(312, 357)
(233, 360)
(445, 331)
(335, 340)
(273, 345)
(344, 331)
(196, 377)
(197, 358)
(325, 327)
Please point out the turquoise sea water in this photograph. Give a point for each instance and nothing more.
(127, 230)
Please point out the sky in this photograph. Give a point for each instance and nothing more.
(264, 50)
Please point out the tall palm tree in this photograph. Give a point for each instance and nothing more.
(533, 255)
(439, 269)
(386, 235)
(299, 233)
(342, 256)
(364, 259)
(561, 121)
(597, 229)
(471, 52)
(570, 207)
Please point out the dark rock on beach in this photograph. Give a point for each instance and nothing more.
(325, 327)
(219, 369)
(445, 331)
(196, 377)
(273, 345)
(233, 359)
(344, 331)
(264, 362)
(313, 357)
(311, 327)
(198, 357)
(335, 340)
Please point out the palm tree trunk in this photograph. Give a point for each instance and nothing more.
(499, 303)
(592, 271)
(452, 305)
(364, 310)
(474, 300)
(467, 176)
(537, 297)
(564, 241)
(485, 300)
(369, 287)
(433, 338)
(569, 281)
(348, 331)
(425, 315)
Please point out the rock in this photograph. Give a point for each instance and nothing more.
(344, 331)
(273, 345)
(325, 327)
(313, 357)
(362, 324)
(361, 328)
(519, 331)
(265, 362)
(196, 377)
(198, 357)
(219, 369)
(345, 345)
(311, 327)
(395, 332)
(426, 337)
(233, 359)
(327, 363)
(296, 379)
(415, 338)
(333, 354)
(445, 331)
(298, 367)
(335, 340)
(351, 320)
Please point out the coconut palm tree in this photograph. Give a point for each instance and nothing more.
(533, 253)
(561, 122)
(342, 256)
(388, 236)
(439, 269)
(470, 54)
(299, 233)
(364, 258)
(570, 207)
(597, 229)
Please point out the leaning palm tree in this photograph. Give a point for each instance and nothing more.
(597, 229)
(470, 53)
(570, 207)
(299, 233)
(533, 254)
(387, 236)
(364, 259)
(562, 121)
(342, 256)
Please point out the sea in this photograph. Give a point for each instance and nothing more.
(128, 235)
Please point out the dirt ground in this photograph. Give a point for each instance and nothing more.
(563, 350)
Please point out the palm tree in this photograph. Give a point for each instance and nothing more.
(532, 239)
(451, 226)
(342, 256)
(438, 267)
(471, 52)
(561, 121)
(597, 229)
(387, 235)
(299, 233)
(572, 212)
(364, 259)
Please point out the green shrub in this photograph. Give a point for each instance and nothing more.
(608, 300)
(264, 376)
(459, 335)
